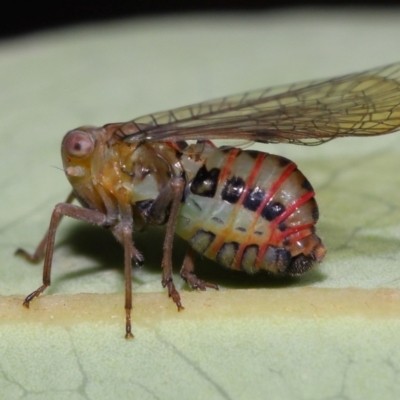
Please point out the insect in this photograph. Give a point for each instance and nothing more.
(247, 210)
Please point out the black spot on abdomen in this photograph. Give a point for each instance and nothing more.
(233, 189)
(205, 182)
(272, 210)
(254, 198)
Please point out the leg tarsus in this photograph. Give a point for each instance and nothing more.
(128, 328)
(137, 256)
(34, 294)
(188, 275)
(195, 283)
(173, 293)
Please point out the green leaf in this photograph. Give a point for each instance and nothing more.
(332, 333)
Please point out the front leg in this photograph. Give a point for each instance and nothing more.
(123, 233)
(170, 197)
(47, 244)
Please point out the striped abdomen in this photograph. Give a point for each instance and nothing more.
(249, 210)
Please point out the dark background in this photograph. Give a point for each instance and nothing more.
(22, 16)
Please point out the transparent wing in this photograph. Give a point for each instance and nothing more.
(361, 104)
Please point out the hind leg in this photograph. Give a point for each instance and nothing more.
(188, 275)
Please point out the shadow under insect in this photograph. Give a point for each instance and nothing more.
(101, 247)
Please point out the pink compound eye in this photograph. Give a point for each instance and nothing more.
(78, 144)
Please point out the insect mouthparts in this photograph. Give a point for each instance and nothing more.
(75, 171)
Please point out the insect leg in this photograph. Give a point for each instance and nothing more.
(70, 210)
(41, 247)
(177, 186)
(188, 275)
(123, 232)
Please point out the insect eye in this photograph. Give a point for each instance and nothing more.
(78, 144)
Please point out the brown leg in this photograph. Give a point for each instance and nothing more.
(41, 248)
(177, 188)
(123, 232)
(129, 253)
(47, 244)
(188, 275)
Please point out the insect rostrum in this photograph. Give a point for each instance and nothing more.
(247, 210)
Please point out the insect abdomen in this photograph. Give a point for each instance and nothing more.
(250, 210)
